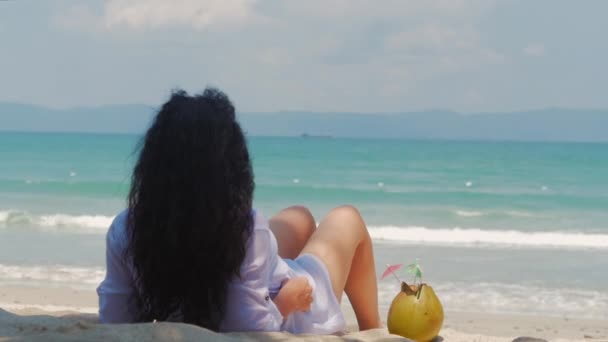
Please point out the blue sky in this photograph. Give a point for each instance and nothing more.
(316, 55)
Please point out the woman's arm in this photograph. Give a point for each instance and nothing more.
(295, 295)
(249, 306)
(116, 290)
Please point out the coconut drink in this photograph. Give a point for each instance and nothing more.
(416, 312)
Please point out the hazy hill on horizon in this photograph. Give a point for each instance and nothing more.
(555, 124)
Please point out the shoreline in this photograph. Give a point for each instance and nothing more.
(39, 304)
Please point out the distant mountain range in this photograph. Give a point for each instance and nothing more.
(538, 125)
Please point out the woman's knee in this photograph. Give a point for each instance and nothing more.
(299, 219)
(308, 223)
(350, 216)
(346, 212)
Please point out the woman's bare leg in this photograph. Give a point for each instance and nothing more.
(292, 228)
(343, 243)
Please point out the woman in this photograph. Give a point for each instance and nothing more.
(191, 249)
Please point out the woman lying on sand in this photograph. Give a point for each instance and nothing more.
(191, 249)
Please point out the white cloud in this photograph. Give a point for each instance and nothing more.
(156, 14)
(433, 37)
(434, 49)
(311, 55)
(362, 9)
(203, 14)
(534, 50)
(78, 17)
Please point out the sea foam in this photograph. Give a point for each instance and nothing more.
(51, 275)
(87, 221)
(465, 213)
(50, 308)
(478, 238)
(505, 298)
(458, 237)
(55, 222)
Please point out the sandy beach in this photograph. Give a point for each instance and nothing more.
(63, 314)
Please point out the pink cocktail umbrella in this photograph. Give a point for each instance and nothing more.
(390, 269)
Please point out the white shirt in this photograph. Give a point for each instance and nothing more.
(249, 305)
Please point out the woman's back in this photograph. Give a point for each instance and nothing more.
(189, 214)
(249, 305)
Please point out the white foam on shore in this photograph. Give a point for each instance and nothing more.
(57, 275)
(48, 308)
(11, 216)
(87, 221)
(503, 298)
(460, 237)
(480, 238)
(455, 296)
(55, 222)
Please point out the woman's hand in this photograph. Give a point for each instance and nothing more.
(295, 295)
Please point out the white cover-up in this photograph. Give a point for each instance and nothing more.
(249, 305)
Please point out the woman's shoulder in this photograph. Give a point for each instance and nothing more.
(116, 236)
(259, 221)
(260, 239)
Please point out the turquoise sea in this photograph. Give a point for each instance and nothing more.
(498, 226)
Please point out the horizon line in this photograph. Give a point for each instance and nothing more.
(325, 138)
(296, 111)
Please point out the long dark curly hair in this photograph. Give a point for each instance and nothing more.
(190, 210)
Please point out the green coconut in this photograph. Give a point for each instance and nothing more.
(415, 313)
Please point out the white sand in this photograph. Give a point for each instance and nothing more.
(51, 314)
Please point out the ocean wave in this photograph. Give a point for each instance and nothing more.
(512, 298)
(51, 275)
(371, 193)
(498, 214)
(479, 238)
(87, 221)
(459, 237)
(515, 213)
(67, 187)
(465, 213)
(50, 308)
(55, 222)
